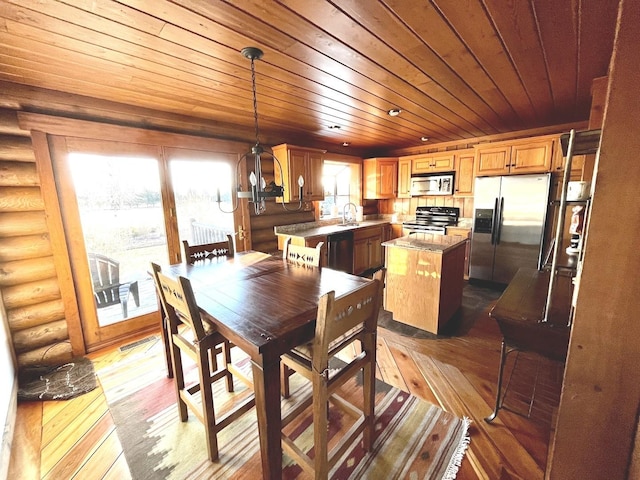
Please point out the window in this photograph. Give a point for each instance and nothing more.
(196, 186)
(336, 180)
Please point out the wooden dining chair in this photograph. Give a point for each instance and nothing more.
(191, 336)
(207, 251)
(193, 254)
(340, 322)
(302, 255)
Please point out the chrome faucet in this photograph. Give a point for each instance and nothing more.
(344, 212)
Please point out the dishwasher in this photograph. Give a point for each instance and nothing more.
(340, 251)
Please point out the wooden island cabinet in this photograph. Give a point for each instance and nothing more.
(425, 278)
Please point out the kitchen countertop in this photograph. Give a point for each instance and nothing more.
(313, 229)
(428, 242)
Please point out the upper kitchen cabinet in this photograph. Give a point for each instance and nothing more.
(577, 164)
(464, 160)
(380, 177)
(298, 161)
(404, 178)
(433, 163)
(531, 155)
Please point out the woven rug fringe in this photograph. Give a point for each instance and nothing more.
(456, 459)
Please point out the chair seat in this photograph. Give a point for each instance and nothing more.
(305, 352)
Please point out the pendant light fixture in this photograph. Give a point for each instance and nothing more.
(260, 190)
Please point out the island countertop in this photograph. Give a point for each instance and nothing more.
(428, 242)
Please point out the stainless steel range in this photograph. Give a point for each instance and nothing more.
(432, 220)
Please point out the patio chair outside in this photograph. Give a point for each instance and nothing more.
(107, 289)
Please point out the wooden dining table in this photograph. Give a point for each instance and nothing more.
(265, 306)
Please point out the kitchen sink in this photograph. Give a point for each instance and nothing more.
(348, 224)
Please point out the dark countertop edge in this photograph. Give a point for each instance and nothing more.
(329, 229)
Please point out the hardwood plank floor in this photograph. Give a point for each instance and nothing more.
(457, 371)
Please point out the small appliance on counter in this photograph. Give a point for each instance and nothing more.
(432, 220)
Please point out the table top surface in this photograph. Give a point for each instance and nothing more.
(525, 297)
(261, 302)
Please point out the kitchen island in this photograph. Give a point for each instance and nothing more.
(354, 248)
(425, 277)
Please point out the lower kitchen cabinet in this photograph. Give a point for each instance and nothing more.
(395, 231)
(367, 249)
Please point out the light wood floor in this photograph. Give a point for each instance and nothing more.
(77, 439)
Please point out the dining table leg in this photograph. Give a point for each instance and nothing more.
(266, 380)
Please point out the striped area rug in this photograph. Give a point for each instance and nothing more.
(414, 439)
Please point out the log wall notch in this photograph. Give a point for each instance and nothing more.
(28, 279)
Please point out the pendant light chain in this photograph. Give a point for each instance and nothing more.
(258, 191)
(255, 98)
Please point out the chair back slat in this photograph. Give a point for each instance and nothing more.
(301, 255)
(178, 301)
(338, 316)
(207, 251)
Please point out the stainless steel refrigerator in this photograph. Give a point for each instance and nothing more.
(508, 225)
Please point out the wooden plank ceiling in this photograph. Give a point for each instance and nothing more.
(456, 69)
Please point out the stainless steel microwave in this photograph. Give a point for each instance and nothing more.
(432, 185)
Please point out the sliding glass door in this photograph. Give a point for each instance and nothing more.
(120, 207)
(124, 206)
(198, 181)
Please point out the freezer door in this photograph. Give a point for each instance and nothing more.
(481, 256)
(523, 208)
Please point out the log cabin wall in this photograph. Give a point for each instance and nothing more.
(28, 278)
(30, 283)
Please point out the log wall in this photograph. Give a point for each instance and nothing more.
(28, 279)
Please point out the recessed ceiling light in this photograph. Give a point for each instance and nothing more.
(345, 144)
(424, 139)
(394, 112)
(337, 127)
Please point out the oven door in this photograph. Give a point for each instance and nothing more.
(432, 229)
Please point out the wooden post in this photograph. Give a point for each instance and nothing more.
(597, 417)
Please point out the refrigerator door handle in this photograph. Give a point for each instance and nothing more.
(499, 224)
(494, 220)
